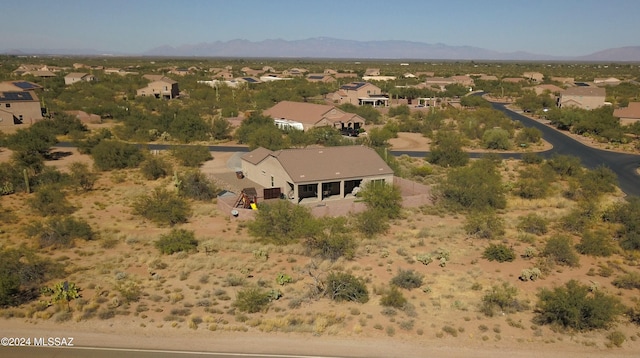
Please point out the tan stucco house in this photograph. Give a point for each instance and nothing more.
(585, 97)
(74, 77)
(315, 174)
(19, 107)
(159, 87)
(314, 115)
(360, 93)
(628, 115)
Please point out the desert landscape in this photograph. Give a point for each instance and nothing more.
(134, 296)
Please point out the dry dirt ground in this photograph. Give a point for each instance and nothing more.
(185, 300)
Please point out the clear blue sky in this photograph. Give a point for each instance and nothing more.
(549, 27)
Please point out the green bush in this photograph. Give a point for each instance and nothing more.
(627, 216)
(110, 154)
(407, 279)
(21, 274)
(575, 306)
(565, 165)
(533, 224)
(476, 187)
(560, 250)
(393, 298)
(502, 298)
(484, 225)
(176, 241)
(195, 185)
(252, 300)
(82, 177)
(496, 138)
(372, 222)
(598, 181)
(162, 207)
(499, 252)
(192, 155)
(60, 232)
(334, 240)
(596, 243)
(629, 280)
(529, 135)
(532, 158)
(421, 171)
(447, 150)
(383, 197)
(283, 223)
(341, 286)
(155, 168)
(49, 200)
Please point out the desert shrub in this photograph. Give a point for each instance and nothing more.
(176, 241)
(530, 274)
(283, 223)
(82, 177)
(447, 150)
(49, 200)
(22, 272)
(533, 224)
(155, 168)
(616, 338)
(393, 298)
(496, 138)
(60, 232)
(595, 243)
(51, 176)
(565, 165)
(499, 252)
(383, 197)
(484, 225)
(475, 187)
(502, 298)
(372, 223)
(333, 240)
(634, 313)
(162, 207)
(532, 158)
(598, 181)
(422, 171)
(533, 182)
(129, 290)
(252, 300)
(628, 281)
(192, 155)
(560, 250)
(529, 135)
(341, 286)
(195, 185)
(579, 218)
(407, 279)
(110, 154)
(575, 306)
(627, 216)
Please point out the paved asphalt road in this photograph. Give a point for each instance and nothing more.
(624, 165)
(84, 352)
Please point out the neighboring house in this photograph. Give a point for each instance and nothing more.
(610, 81)
(74, 77)
(85, 117)
(19, 107)
(585, 97)
(248, 71)
(320, 77)
(553, 89)
(372, 72)
(513, 79)
(379, 78)
(274, 77)
(564, 80)
(17, 86)
(628, 115)
(533, 76)
(159, 87)
(295, 72)
(315, 174)
(314, 115)
(360, 93)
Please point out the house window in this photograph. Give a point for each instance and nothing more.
(8, 105)
(272, 185)
(377, 182)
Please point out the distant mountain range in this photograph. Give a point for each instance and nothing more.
(324, 47)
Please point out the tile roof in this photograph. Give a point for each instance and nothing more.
(325, 164)
(631, 112)
(585, 91)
